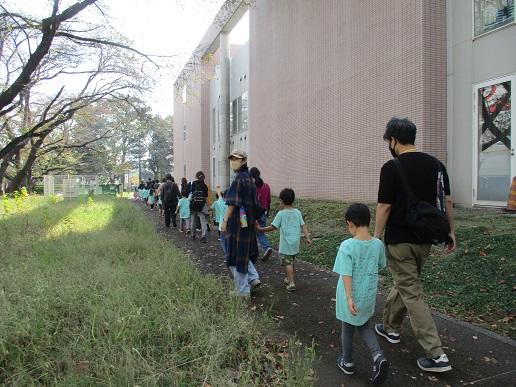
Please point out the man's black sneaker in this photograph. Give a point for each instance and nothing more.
(347, 368)
(203, 239)
(380, 370)
(436, 364)
(391, 337)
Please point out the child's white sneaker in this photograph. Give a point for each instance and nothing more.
(347, 368)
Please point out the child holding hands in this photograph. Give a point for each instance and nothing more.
(289, 221)
(357, 264)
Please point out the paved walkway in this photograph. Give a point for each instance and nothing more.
(478, 357)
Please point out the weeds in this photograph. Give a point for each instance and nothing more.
(53, 199)
(15, 202)
(93, 297)
(7, 205)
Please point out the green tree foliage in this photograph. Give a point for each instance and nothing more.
(160, 146)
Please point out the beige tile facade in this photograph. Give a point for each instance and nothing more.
(325, 76)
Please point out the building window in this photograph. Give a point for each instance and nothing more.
(214, 126)
(233, 116)
(239, 114)
(245, 111)
(184, 132)
(492, 14)
(184, 94)
(214, 163)
(184, 170)
(218, 125)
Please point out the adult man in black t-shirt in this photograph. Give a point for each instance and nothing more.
(406, 254)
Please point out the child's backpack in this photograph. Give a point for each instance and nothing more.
(169, 194)
(198, 198)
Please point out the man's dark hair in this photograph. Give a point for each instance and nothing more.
(168, 176)
(358, 214)
(199, 174)
(287, 196)
(402, 129)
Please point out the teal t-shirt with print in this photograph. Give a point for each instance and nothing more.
(360, 260)
(289, 223)
(184, 208)
(219, 207)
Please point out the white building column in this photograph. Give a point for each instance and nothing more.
(224, 100)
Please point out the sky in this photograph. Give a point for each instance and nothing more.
(160, 27)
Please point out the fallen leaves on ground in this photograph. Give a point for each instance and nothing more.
(490, 360)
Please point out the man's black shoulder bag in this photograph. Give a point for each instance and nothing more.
(425, 221)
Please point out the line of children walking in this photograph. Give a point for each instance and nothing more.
(148, 193)
(357, 263)
(185, 202)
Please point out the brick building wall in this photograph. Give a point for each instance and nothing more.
(325, 77)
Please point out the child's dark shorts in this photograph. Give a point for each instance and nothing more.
(287, 260)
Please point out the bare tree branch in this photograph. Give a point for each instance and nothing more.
(49, 28)
(45, 112)
(19, 26)
(50, 148)
(107, 43)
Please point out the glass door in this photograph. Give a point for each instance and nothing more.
(494, 141)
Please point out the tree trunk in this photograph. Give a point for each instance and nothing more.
(21, 176)
(6, 160)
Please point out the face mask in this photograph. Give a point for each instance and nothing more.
(235, 165)
(392, 150)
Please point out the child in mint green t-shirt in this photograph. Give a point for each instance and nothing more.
(357, 264)
(289, 221)
(183, 208)
(219, 209)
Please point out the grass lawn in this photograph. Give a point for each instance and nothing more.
(477, 283)
(90, 295)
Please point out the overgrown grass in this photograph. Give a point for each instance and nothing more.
(91, 296)
(477, 283)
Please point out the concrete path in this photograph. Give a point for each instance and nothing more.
(478, 357)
